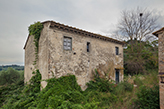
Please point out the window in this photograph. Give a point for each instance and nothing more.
(67, 43)
(117, 50)
(88, 46)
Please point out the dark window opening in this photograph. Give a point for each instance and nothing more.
(117, 50)
(88, 46)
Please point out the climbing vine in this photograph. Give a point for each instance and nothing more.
(35, 30)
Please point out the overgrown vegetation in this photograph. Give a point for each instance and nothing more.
(147, 97)
(19, 96)
(11, 84)
(64, 93)
(140, 57)
(35, 30)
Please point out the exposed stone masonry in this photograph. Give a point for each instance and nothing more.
(160, 35)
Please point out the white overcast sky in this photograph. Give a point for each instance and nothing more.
(98, 16)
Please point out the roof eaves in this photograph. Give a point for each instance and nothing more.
(156, 32)
(26, 42)
(80, 31)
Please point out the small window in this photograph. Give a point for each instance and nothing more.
(88, 46)
(67, 43)
(117, 50)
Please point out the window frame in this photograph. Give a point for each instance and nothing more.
(67, 42)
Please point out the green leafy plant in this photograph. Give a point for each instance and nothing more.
(123, 87)
(22, 96)
(10, 93)
(34, 83)
(100, 84)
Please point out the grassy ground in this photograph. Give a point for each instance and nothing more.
(126, 99)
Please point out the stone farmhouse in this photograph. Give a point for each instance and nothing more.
(160, 35)
(68, 50)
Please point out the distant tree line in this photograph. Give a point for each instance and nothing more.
(16, 67)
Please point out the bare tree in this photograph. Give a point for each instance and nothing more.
(137, 24)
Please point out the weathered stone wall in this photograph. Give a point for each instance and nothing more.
(78, 61)
(29, 59)
(55, 61)
(161, 66)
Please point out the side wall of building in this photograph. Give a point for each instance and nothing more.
(29, 59)
(80, 62)
(43, 54)
(161, 66)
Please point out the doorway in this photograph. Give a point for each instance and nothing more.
(117, 76)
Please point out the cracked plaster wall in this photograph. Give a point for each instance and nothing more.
(29, 59)
(78, 61)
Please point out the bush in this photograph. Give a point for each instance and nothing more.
(147, 98)
(35, 83)
(10, 93)
(123, 87)
(140, 57)
(100, 84)
(58, 91)
(138, 81)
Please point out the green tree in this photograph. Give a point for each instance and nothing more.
(140, 60)
(10, 76)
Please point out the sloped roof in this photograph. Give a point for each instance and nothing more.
(156, 32)
(67, 28)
